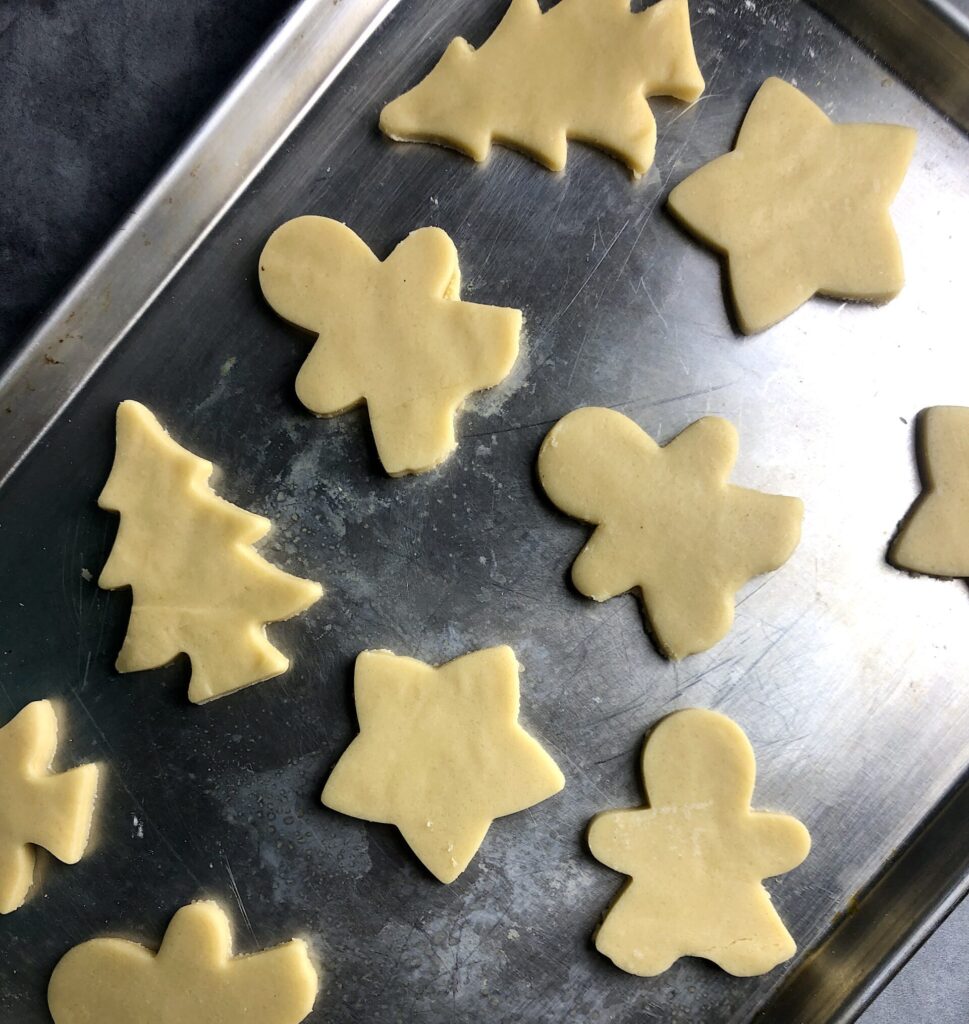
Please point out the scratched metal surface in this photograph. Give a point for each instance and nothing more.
(847, 675)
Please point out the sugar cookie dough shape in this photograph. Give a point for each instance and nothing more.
(934, 536)
(667, 522)
(697, 856)
(193, 977)
(198, 585)
(582, 70)
(38, 807)
(392, 334)
(440, 753)
(800, 207)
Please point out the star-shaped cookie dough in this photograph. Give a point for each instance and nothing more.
(697, 856)
(192, 979)
(800, 207)
(440, 753)
(667, 522)
(581, 70)
(934, 537)
(38, 807)
(392, 334)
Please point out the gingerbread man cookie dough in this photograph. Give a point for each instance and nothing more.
(934, 537)
(394, 334)
(667, 521)
(696, 856)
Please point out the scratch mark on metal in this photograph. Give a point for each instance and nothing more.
(236, 893)
(590, 275)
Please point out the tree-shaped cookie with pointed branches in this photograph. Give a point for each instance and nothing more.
(440, 753)
(38, 807)
(198, 585)
(581, 70)
(934, 536)
(696, 857)
(800, 207)
(192, 978)
(394, 334)
(667, 521)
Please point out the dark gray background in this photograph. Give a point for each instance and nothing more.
(94, 98)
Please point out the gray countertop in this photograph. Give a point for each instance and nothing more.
(93, 99)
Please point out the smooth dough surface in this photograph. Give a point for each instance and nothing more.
(582, 70)
(198, 585)
(393, 334)
(440, 753)
(192, 979)
(800, 207)
(934, 537)
(667, 522)
(38, 807)
(696, 857)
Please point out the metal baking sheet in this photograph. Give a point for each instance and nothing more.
(849, 677)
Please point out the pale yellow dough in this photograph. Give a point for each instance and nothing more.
(440, 753)
(198, 585)
(934, 538)
(38, 807)
(697, 856)
(800, 207)
(192, 979)
(667, 522)
(393, 334)
(581, 70)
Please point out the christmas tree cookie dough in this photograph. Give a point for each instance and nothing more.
(697, 856)
(582, 70)
(934, 537)
(192, 978)
(440, 753)
(198, 585)
(667, 522)
(800, 207)
(38, 807)
(392, 334)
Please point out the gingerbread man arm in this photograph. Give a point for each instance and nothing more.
(778, 843)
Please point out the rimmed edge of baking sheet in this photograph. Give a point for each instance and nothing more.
(925, 42)
(915, 891)
(884, 925)
(299, 63)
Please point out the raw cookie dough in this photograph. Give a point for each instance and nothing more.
(800, 207)
(198, 585)
(934, 537)
(393, 334)
(440, 753)
(192, 979)
(696, 857)
(581, 70)
(38, 807)
(667, 522)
